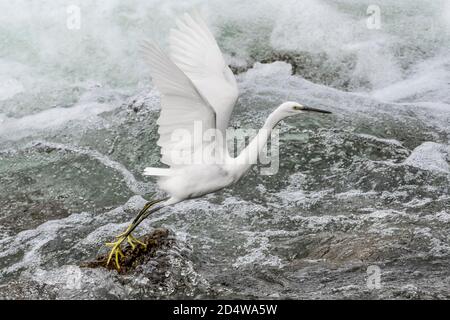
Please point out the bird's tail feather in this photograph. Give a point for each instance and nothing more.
(160, 172)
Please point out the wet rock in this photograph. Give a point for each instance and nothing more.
(317, 68)
(20, 289)
(158, 239)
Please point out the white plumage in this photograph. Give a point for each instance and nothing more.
(198, 87)
(195, 51)
(198, 94)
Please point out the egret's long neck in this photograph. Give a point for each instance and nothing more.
(249, 155)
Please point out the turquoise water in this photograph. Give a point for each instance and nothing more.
(365, 186)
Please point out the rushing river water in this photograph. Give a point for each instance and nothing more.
(367, 186)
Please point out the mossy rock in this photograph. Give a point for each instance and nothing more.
(158, 239)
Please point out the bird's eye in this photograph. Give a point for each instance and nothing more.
(297, 107)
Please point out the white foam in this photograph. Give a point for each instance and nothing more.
(430, 156)
(16, 128)
(319, 27)
(9, 87)
(430, 81)
(387, 141)
(258, 248)
(445, 17)
(32, 242)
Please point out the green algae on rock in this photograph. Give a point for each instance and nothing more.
(158, 239)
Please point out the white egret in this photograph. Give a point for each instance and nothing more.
(197, 87)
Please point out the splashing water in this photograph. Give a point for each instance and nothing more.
(367, 186)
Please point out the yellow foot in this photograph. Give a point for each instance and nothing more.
(133, 241)
(115, 251)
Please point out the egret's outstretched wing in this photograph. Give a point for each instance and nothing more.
(182, 108)
(195, 51)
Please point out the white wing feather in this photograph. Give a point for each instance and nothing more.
(181, 106)
(195, 51)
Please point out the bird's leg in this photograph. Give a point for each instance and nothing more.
(116, 250)
(147, 206)
(130, 238)
(137, 221)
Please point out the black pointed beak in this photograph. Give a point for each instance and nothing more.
(315, 110)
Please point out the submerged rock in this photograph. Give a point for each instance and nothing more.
(158, 239)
